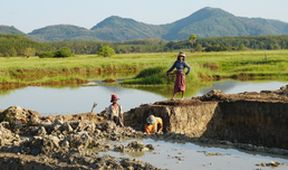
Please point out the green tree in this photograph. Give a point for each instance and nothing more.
(192, 39)
(63, 52)
(198, 47)
(242, 47)
(28, 52)
(106, 51)
(11, 52)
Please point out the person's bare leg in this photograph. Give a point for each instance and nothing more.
(182, 93)
(174, 94)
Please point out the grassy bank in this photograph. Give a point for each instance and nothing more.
(205, 66)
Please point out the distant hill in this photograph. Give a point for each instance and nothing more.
(10, 30)
(206, 22)
(121, 29)
(214, 22)
(62, 32)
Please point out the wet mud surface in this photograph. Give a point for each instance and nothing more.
(90, 141)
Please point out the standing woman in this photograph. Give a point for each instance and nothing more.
(180, 82)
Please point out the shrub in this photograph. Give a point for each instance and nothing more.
(106, 51)
(63, 52)
(28, 52)
(149, 72)
(150, 76)
(46, 54)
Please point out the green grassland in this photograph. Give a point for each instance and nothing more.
(150, 67)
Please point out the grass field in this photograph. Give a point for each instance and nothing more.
(205, 66)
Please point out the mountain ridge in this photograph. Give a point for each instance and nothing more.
(206, 22)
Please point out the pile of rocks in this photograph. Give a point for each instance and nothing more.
(74, 142)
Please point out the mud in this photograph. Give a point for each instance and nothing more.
(260, 119)
(63, 142)
(29, 141)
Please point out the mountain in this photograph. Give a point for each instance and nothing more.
(10, 30)
(62, 32)
(206, 22)
(215, 22)
(116, 28)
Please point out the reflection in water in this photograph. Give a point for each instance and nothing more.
(232, 86)
(76, 100)
(227, 86)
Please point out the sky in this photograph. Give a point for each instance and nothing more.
(27, 15)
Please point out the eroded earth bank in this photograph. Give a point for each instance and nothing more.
(251, 121)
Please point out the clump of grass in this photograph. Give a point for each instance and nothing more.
(150, 76)
(150, 72)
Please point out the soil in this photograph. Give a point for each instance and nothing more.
(29, 141)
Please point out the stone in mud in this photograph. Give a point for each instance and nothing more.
(134, 146)
(272, 164)
(42, 131)
(43, 144)
(107, 162)
(135, 164)
(283, 90)
(7, 137)
(66, 127)
(107, 126)
(79, 140)
(213, 95)
(18, 116)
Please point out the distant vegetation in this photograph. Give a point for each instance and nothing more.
(12, 45)
(10, 30)
(145, 68)
(106, 51)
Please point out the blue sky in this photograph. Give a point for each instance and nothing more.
(27, 15)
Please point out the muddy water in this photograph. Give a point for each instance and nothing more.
(80, 99)
(193, 156)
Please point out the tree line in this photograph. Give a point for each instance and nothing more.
(17, 45)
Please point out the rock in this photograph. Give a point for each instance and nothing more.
(134, 164)
(272, 164)
(119, 148)
(150, 147)
(107, 126)
(66, 127)
(213, 95)
(134, 146)
(58, 120)
(17, 116)
(7, 137)
(80, 140)
(64, 144)
(41, 131)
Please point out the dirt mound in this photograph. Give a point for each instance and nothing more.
(220, 116)
(62, 142)
(18, 116)
(280, 95)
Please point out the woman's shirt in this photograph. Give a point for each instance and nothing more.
(180, 65)
(112, 111)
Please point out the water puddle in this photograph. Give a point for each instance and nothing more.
(65, 100)
(169, 155)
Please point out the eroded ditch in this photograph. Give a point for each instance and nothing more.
(201, 133)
